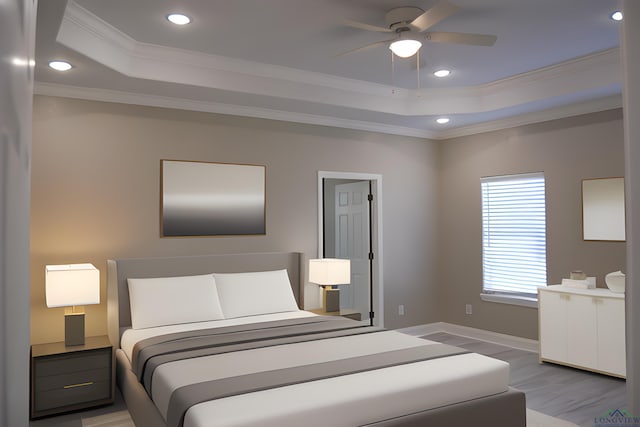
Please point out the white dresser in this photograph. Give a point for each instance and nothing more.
(582, 328)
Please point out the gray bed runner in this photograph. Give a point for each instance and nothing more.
(185, 397)
(153, 352)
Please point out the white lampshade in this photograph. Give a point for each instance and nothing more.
(330, 271)
(405, 48)
(72, 284)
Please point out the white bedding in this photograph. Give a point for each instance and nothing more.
(358, 399)
(348, 400)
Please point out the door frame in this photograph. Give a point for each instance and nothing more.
(376, 228)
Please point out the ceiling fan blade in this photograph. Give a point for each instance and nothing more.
(365, 47)
(367, 27)
(462, 38)
(443, 9)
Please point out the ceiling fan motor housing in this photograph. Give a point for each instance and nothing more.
(398, 19)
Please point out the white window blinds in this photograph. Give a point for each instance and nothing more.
(514, 242)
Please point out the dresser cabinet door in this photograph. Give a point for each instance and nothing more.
(582, 323)
(611, 340)
(553, 325)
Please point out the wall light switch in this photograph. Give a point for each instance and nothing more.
(401, 310)
(468, 309)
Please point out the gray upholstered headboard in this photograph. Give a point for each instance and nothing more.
(118, 271)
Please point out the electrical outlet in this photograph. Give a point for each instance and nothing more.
(401, 310)
(468, 309)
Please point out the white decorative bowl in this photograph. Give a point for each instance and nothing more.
(615, 281)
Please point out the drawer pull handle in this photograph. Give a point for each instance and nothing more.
(78, 385)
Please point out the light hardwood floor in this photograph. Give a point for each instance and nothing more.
(570, 394)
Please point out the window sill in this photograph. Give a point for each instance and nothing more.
(511, 299)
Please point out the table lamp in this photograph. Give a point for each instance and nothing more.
(72, 285)
(329, 272)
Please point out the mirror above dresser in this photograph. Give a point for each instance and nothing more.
(603, 211)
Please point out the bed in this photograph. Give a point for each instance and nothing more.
(221, 340)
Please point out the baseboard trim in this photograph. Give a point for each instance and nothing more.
(478, 334)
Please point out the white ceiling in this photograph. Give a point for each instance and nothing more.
(277, 59)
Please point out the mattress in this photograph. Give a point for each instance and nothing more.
(346, 400)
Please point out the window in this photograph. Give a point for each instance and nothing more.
(514, 242)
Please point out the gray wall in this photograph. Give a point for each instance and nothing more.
(566, 150)
(17, 38)
(95, 194)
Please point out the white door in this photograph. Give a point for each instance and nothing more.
(352, 242)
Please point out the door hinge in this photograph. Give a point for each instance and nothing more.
(370, 256)
(370, 197)
(372, 315)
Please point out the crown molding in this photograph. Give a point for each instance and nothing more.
(103, 95)
(80, 29)
(577, 109)
(93, 94)
(113, 47)
(95, 38)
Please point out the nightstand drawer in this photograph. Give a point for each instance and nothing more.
(65, 364)
(74, 394)
(52, 382)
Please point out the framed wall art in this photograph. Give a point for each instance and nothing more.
(211, 199)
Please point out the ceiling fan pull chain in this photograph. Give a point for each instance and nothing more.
(418, 67)
(393, 73)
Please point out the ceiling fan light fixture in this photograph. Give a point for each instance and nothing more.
(442, 73)
(404, 48)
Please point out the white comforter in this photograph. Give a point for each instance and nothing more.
(348, 400)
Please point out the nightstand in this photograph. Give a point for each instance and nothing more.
(344, 312)
(71, 378)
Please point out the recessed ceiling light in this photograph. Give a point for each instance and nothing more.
(60, 65)
(178, 18)
(442, 73)
(616, 16)
(442, 120)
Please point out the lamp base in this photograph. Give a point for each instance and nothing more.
(74, 329)
(331, 300)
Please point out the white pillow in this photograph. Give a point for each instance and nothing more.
(250, 294)
(164, 301)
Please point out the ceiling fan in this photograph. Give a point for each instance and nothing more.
(410, 25)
